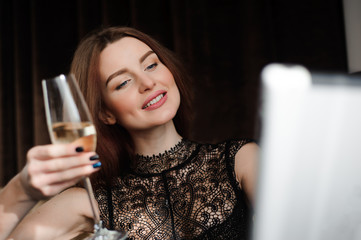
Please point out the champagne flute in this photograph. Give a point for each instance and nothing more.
(69, 120)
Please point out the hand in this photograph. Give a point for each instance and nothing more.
(53, 168)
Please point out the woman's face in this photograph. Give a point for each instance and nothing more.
(138, 90)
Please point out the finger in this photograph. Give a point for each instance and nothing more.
(63, 163)
(45, 152)
(51, 190)
(73, 174)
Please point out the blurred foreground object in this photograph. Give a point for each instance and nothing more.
(310, 168)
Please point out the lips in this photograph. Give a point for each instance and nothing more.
(155, 100)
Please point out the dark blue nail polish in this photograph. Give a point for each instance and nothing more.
(96, 165)
(79, 149)
(95, 157)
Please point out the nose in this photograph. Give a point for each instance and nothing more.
(146, 83)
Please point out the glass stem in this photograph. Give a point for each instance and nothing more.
(89, 189)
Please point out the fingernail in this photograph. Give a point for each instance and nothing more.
(96, 165)
(79, 149)
(95, 157)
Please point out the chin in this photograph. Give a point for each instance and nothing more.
(165, 118)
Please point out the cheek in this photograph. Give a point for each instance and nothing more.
(170, 78)
(165, 75)
(174, 89)
(119, 106)
(178, 99)
(123, 113)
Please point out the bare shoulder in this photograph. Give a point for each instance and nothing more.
(247, 153)
(63, 216)
(246, 166)
(76, 198)
(75, 195)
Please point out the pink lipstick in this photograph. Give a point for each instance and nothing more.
(155, 100)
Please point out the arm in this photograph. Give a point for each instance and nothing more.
(14, 204)
(246, 161)
(49, 170)
(64, 216)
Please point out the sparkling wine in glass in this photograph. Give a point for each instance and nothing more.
(68, 121)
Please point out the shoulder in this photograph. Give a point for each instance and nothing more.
(235, 146)
(231, 147)
(245, 167)
(228, 144)
(226, 149)
(246, 156)
(77, 200)
(71, 193)
(242, 154)
(78, 197)
(246, 151)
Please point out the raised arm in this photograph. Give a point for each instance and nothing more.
(246, 166)
(49, 170)
(65, 216)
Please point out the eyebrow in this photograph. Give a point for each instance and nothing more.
(145, 56)
(121, 71)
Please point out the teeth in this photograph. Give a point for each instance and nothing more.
(155, 100)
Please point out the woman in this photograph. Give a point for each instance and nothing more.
(154, 183)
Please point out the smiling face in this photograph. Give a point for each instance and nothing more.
(137, 88)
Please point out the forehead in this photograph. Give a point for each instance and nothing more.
(123, 53)
(127, 46)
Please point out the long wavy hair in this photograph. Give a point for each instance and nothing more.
(114, 144)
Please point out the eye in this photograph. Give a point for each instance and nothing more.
(122, 85)
(152, 66)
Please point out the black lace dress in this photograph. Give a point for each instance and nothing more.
(188, 192)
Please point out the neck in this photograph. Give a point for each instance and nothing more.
(155, 140)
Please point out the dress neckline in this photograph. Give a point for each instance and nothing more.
(170, 151)
(171, 158)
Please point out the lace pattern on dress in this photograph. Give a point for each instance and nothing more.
(164, 161)
(188, 192)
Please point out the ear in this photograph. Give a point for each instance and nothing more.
(107, 117)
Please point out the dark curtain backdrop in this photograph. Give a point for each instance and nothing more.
(225, 44)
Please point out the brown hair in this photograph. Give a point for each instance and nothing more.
(115, 146)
